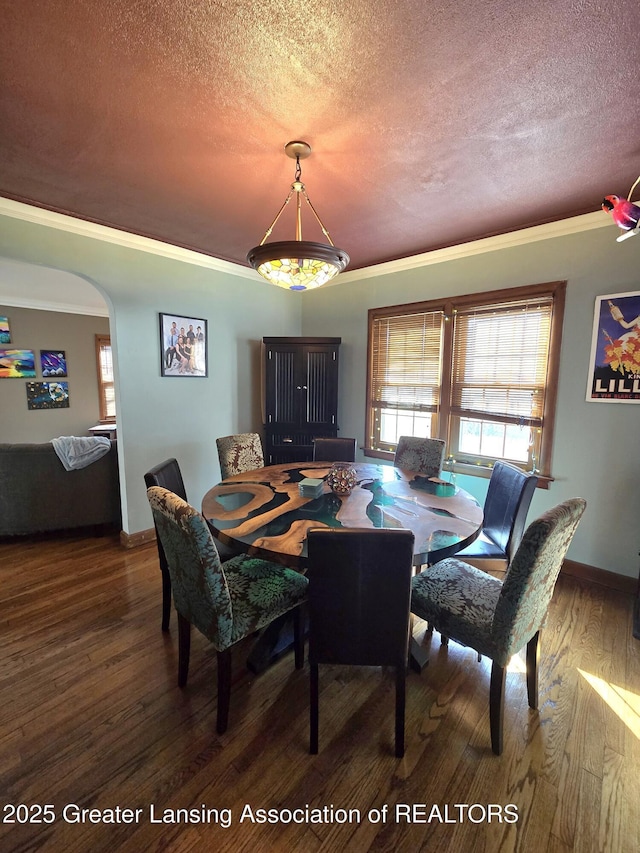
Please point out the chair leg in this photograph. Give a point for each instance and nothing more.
(298, 636)
(313, 708)
(166, 599)
(224, 690)
(401, 677)
(496, 706)
(184, 649)
(533, 659)
(444, 641)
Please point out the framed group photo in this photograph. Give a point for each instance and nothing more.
(614, 368)
(183, 345)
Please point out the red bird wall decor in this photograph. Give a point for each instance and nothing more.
(624, 213)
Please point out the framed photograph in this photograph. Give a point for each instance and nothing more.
(183, 346)
(53, 363)
(614, 367)
(5, 331)
(47, 395)
(17, 363)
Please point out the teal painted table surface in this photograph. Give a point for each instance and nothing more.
(262, 512)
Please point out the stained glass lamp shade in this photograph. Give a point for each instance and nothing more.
(297, 264)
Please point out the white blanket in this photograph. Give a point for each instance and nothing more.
(78, 452)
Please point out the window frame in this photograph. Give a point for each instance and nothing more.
(101, 342)
(443, 417)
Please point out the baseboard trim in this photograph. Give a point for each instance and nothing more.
(571, 568)
(583, 572)
(135, 540)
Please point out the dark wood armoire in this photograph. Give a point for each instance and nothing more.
(300, 395)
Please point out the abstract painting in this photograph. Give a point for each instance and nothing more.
(54, 363)
(47, 395)
(17, 363)
(5, 331)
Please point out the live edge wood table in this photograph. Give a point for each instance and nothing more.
(262, 513)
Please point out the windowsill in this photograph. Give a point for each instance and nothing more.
(482, 471)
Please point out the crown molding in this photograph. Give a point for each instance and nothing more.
(63, 222)
(57, 307)
(561, 228)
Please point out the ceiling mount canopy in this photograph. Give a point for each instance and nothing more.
(297, 264)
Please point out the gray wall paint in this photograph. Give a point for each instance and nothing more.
(597, 445)
(163, 417)
(73, 333)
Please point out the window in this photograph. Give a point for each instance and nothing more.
(106, 390)
(479, 371)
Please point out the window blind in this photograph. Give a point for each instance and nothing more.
(500, 357)
(106, 388)
(406, 362)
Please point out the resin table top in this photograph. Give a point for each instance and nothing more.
(263, 513)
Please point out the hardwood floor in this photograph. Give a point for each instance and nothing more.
(91, 718)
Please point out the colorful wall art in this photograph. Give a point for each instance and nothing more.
(614, 369)
(17, 363)
(47, 395)
(53, 362)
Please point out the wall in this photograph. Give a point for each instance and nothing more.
(73, 333)
(597, 445)
(163, 417)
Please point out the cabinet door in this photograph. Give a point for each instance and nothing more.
(283, 385)
(319, 398)
(302, 385)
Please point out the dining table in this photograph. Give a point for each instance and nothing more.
(265, 513)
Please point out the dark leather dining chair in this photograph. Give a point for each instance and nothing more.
(334, 449)
(167, 475)
(225, 601)
(499, 618)
(359, 595)
(505, 513)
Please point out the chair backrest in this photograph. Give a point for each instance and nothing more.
(199, 585)
(506, 506)
(167, 475)
(425, 455)
(239, 453)
(359, 595)
(334, 449)
(529, 583)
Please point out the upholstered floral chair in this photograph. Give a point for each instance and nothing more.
(424, 455)
(224, 601)
(239, 453)
(498, 618)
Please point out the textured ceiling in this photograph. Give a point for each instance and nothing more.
(431, 123)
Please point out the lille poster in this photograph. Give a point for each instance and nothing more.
(614, 368)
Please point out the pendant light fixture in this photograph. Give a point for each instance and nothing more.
(297, 264)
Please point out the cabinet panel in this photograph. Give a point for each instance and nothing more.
(285, 399)
(321, 397)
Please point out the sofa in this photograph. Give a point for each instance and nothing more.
(38, 495)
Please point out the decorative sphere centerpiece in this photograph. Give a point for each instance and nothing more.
(342, 478)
